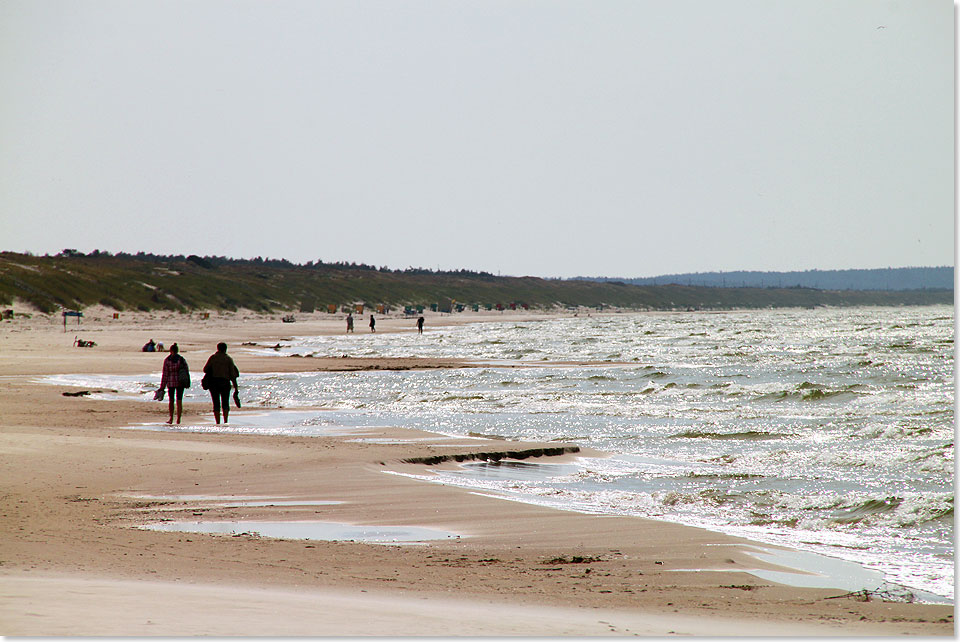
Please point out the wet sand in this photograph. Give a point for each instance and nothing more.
(78, 484)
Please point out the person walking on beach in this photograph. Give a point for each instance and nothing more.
(221, 371)
(175, 378)
(420, 324)
(349, 322)
(373, 324)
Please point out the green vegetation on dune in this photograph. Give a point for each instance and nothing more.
(148, 282)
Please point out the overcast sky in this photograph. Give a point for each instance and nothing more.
(525, 137)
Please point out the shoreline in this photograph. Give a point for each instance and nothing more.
(849, 574)
(834, 572)
(71, 469)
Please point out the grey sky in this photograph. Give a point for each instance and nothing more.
(529, 137)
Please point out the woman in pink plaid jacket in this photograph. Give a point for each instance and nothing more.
(175, 378)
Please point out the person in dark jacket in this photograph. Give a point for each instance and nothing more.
(221, 372)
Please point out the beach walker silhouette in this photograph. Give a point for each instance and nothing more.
(373, 324)
(220, 372)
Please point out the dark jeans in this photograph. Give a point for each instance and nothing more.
(220, 393)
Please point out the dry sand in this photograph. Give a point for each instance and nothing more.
(76, 483)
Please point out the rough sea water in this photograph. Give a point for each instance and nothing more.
(827, 430)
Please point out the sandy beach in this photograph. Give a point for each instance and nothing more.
(78, 482)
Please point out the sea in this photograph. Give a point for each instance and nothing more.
(828, 430)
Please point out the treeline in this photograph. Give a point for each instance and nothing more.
(147, 282)
(215, 261)
(908, 278)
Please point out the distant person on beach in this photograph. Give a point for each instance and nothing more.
(149, 346)
(373, 324)
(221, 371)
(175, 378)
(420, 324)
(349, 322)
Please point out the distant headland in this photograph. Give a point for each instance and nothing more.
(908, 278)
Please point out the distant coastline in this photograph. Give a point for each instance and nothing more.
(145, 282)
(908, 278)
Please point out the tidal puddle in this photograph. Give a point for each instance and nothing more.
(396, 441)
(812, 570)
(821, 571)
(237, 501)
(327, 531)
(279, 421)
(292, 502)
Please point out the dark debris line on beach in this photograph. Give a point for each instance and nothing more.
(494, 456)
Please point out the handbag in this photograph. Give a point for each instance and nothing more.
(183, 374)
(205, 382)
